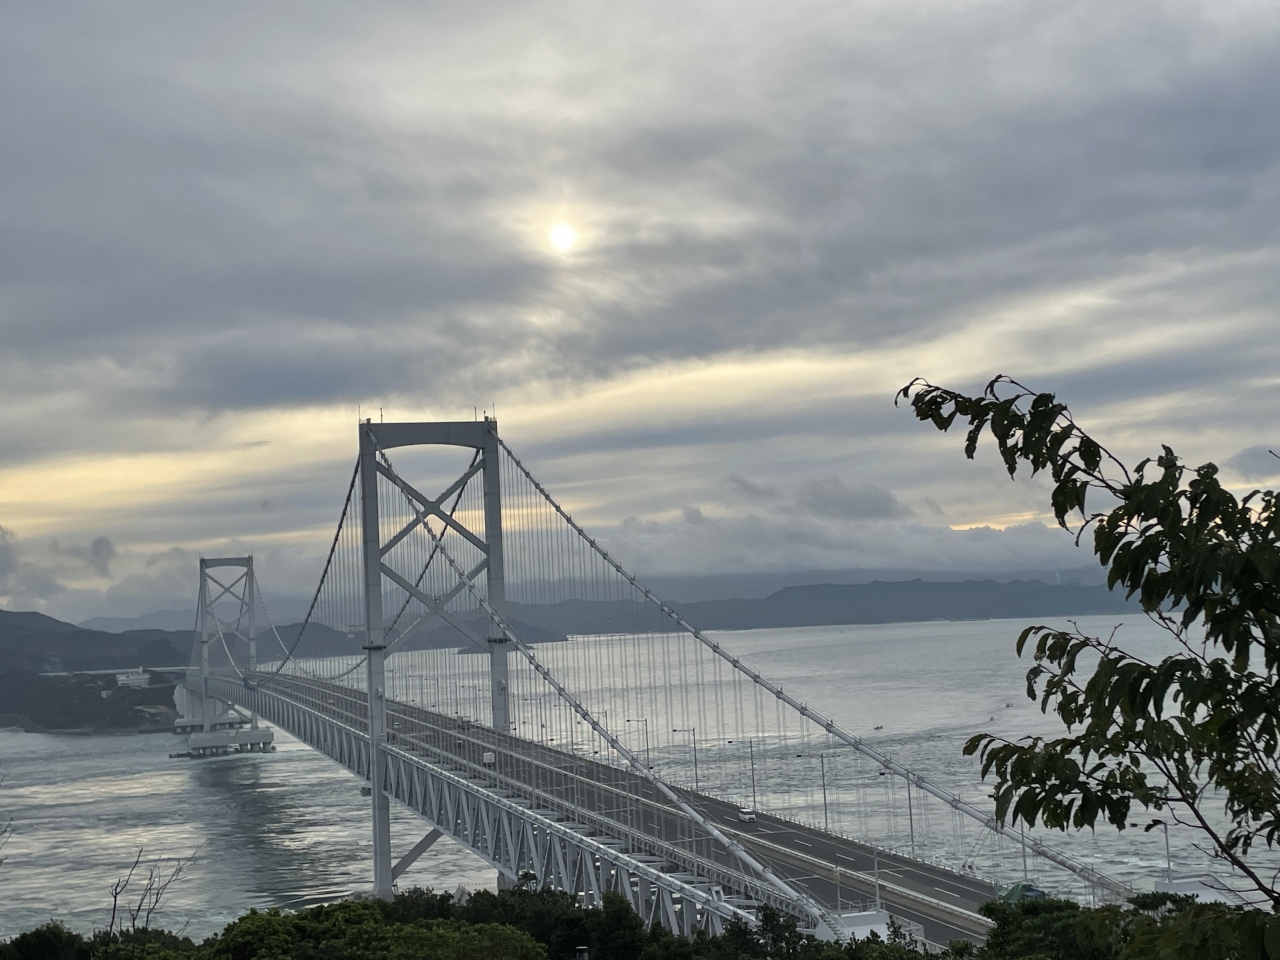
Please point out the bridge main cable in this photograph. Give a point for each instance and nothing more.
(333, 547)
(989, 821)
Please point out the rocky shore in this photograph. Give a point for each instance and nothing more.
(84, 705)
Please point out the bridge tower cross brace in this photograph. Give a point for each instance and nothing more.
(483, 437)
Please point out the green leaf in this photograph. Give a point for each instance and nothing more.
(1203, 564)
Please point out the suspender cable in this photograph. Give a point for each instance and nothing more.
(810, 906)
(1081, 870)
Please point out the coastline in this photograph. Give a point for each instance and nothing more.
(159, 720)
(90, 731)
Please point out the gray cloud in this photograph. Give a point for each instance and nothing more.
(831, 499)
(173, 557)
(204, 222)
(8, 555)
(1255, 463)
(32, 585)
(266, 237)
(24, 584)
(764, 543)
(97, 556)
(752, 490)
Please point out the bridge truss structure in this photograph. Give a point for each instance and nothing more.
(476, 656)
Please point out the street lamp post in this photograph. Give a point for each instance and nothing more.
(911, 821)
(475, 695)
(875, 852)
(1022, 829)
(822, 762)
(693, 737)
(1168, 859)
(751, 752)
(645, 721)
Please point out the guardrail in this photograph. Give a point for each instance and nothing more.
(869, 884)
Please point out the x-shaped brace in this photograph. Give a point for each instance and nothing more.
(432, 508)
(435, 606)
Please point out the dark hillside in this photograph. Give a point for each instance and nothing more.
(83, 704)
(33, 641)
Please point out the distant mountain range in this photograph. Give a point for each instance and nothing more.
(755, 586)
(903, 601)
(830, 604)
(32, 641)
(37, 642)
(170, 620)
(685, 590)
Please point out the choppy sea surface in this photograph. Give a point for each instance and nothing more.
(290, 829)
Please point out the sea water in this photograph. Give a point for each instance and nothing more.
(290, 829)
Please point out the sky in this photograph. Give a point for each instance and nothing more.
(686, 252)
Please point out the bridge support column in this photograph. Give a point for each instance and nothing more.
(376, 652)
(499, 646)
(250, 594)
(378, 772)
(202, 614)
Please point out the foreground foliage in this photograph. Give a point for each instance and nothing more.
(519, 924)
(1199, 727)
(525, 924)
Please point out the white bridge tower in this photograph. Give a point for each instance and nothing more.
(224, 633)
(481, 436)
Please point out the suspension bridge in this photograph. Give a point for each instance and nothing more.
(476, 656)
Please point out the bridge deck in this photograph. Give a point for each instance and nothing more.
(620, 804)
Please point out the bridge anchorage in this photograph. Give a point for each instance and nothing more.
(477, 657)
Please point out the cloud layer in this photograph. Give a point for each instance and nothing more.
(225, 229)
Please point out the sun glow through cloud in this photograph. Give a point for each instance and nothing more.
(563, 237)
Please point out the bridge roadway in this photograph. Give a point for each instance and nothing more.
(835, 870)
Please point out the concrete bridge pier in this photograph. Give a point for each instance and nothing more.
(197, 711)
(215, 727)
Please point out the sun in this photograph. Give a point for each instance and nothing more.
(562, 237)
